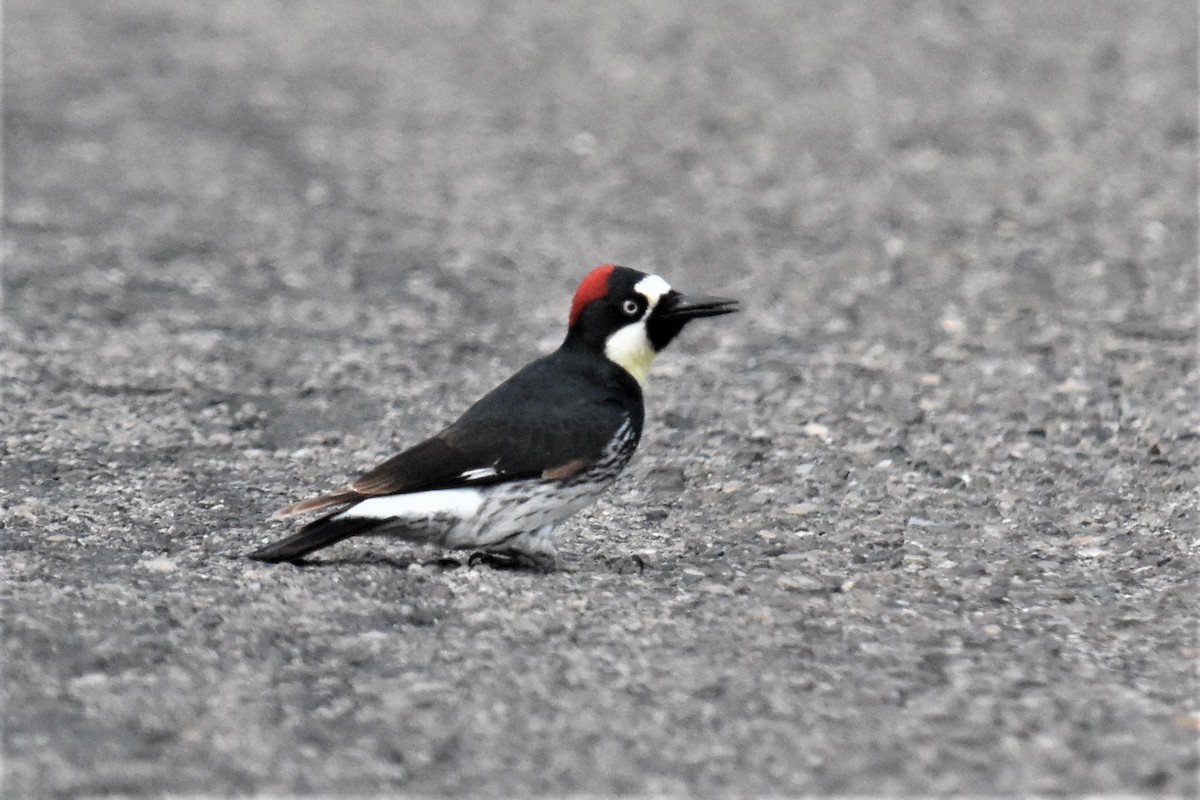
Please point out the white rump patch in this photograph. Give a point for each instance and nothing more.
(652, 288)
(457, 503)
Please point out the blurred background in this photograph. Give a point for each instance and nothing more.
(851, 163)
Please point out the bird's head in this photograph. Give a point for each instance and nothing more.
(629, 316)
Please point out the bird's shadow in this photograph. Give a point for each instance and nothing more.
(375, 559)
(609, 564)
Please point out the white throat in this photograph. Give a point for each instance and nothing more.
(630, 348)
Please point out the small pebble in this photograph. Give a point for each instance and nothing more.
(1071, 386)
(799, 583)
(816, 430)
(161, 565)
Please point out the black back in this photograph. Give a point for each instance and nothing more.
(562, 408)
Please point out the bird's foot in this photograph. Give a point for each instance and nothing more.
(511, 560)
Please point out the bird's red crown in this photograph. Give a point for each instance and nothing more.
(593, 287)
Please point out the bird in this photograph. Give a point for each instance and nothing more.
(536, 449)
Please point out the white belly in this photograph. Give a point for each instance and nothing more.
(484, 517)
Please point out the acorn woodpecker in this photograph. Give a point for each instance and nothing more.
(534, 450)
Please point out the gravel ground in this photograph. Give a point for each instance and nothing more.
(923, 519)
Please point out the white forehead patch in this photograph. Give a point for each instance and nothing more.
(653, 288)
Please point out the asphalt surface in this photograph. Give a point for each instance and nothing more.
(921, 520)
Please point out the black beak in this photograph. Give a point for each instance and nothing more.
(676, 306)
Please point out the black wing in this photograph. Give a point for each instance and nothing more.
(552, 418)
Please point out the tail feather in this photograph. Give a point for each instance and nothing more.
(314, 536)
(317, 503)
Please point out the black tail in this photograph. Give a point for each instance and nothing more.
(313, 536)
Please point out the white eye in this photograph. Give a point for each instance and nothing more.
(630, 307)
